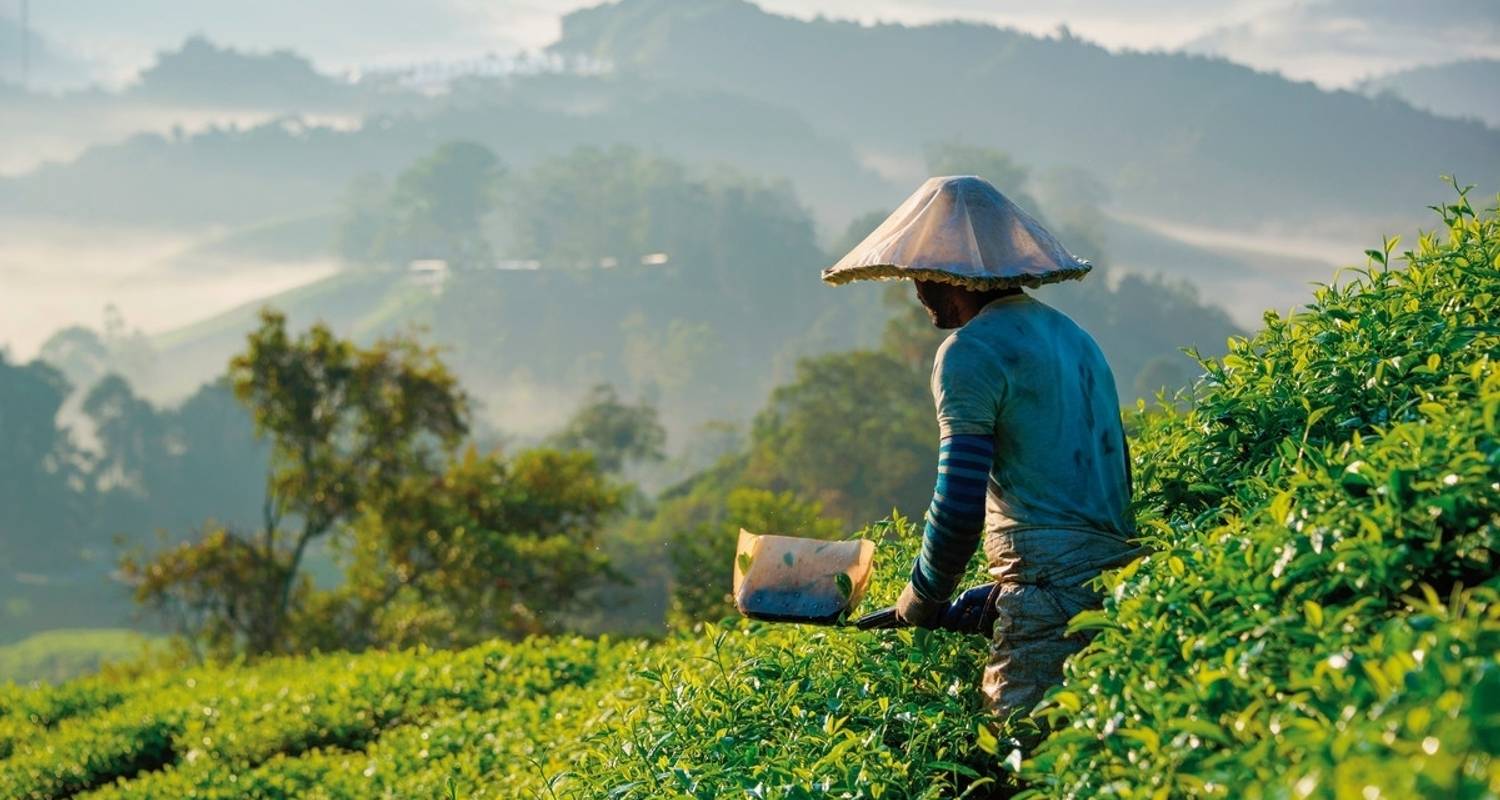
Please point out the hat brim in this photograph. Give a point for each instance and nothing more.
(978, 283)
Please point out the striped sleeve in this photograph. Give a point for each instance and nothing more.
(955, 520)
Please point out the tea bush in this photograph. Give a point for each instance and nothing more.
(765, 711)
(1304, 628)
(204, 727)
(1319, 618)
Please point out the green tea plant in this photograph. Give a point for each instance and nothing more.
(765, 711)
(211, 723)
(26, 713)
(1305, 628)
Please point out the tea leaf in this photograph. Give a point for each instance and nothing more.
(844, 583)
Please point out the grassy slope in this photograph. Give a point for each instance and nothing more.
(357, 303)
(58, 655)
(1319, 620)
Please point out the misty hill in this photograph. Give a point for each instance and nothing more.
(204, 74)
(1187, 137)
(1179, 135)
(287, 167)
(1338, 40)
(194, 87)
(1464, 89)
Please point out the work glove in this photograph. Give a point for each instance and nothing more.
(913, 610)
(973, 611)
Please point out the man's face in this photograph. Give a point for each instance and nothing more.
(942, 303)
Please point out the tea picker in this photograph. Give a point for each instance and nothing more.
(1032, 458)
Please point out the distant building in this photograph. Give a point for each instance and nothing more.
(431, 273)
(516, 264)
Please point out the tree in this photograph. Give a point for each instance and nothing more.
(439, 203)
(489, 547)
(79, 353)
(347, 427)
(737, 234)
(592, 204)
(225, 593)
(615, 433)
(854, 431)
(39, 469)
(173, 467)
(436, 548)
(133, 448)
(665, 358)
(219, 462)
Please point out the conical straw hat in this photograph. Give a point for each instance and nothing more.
(960, 230)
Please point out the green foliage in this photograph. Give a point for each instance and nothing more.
(454, 553)
(346, 426)
(231, 731)
(58, 655)
(435, 210)
(492, 547)
(710, 713)
(592, 204)
(39, 463)
(616, 434)
(1306, 627)
(854, 431)
(791, 712)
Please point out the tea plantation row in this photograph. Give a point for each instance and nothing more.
(1319, 618)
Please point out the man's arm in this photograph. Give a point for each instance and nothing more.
(955, 522)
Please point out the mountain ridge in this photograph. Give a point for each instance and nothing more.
(1188, 135)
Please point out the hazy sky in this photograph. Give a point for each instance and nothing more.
(1333, 42)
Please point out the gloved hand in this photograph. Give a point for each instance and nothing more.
(913, 610)
(973, 611)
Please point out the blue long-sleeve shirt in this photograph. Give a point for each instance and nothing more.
(1027, 409)
(955, 520)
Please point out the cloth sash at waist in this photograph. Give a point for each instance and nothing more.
(1064, 556)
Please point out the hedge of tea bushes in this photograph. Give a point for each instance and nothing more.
(775, 711)
(744, 710)
(204, 728)
(1320, 617)
(498, 752)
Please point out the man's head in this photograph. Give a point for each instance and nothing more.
(952, 306)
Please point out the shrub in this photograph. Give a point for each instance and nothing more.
(1337, 477)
